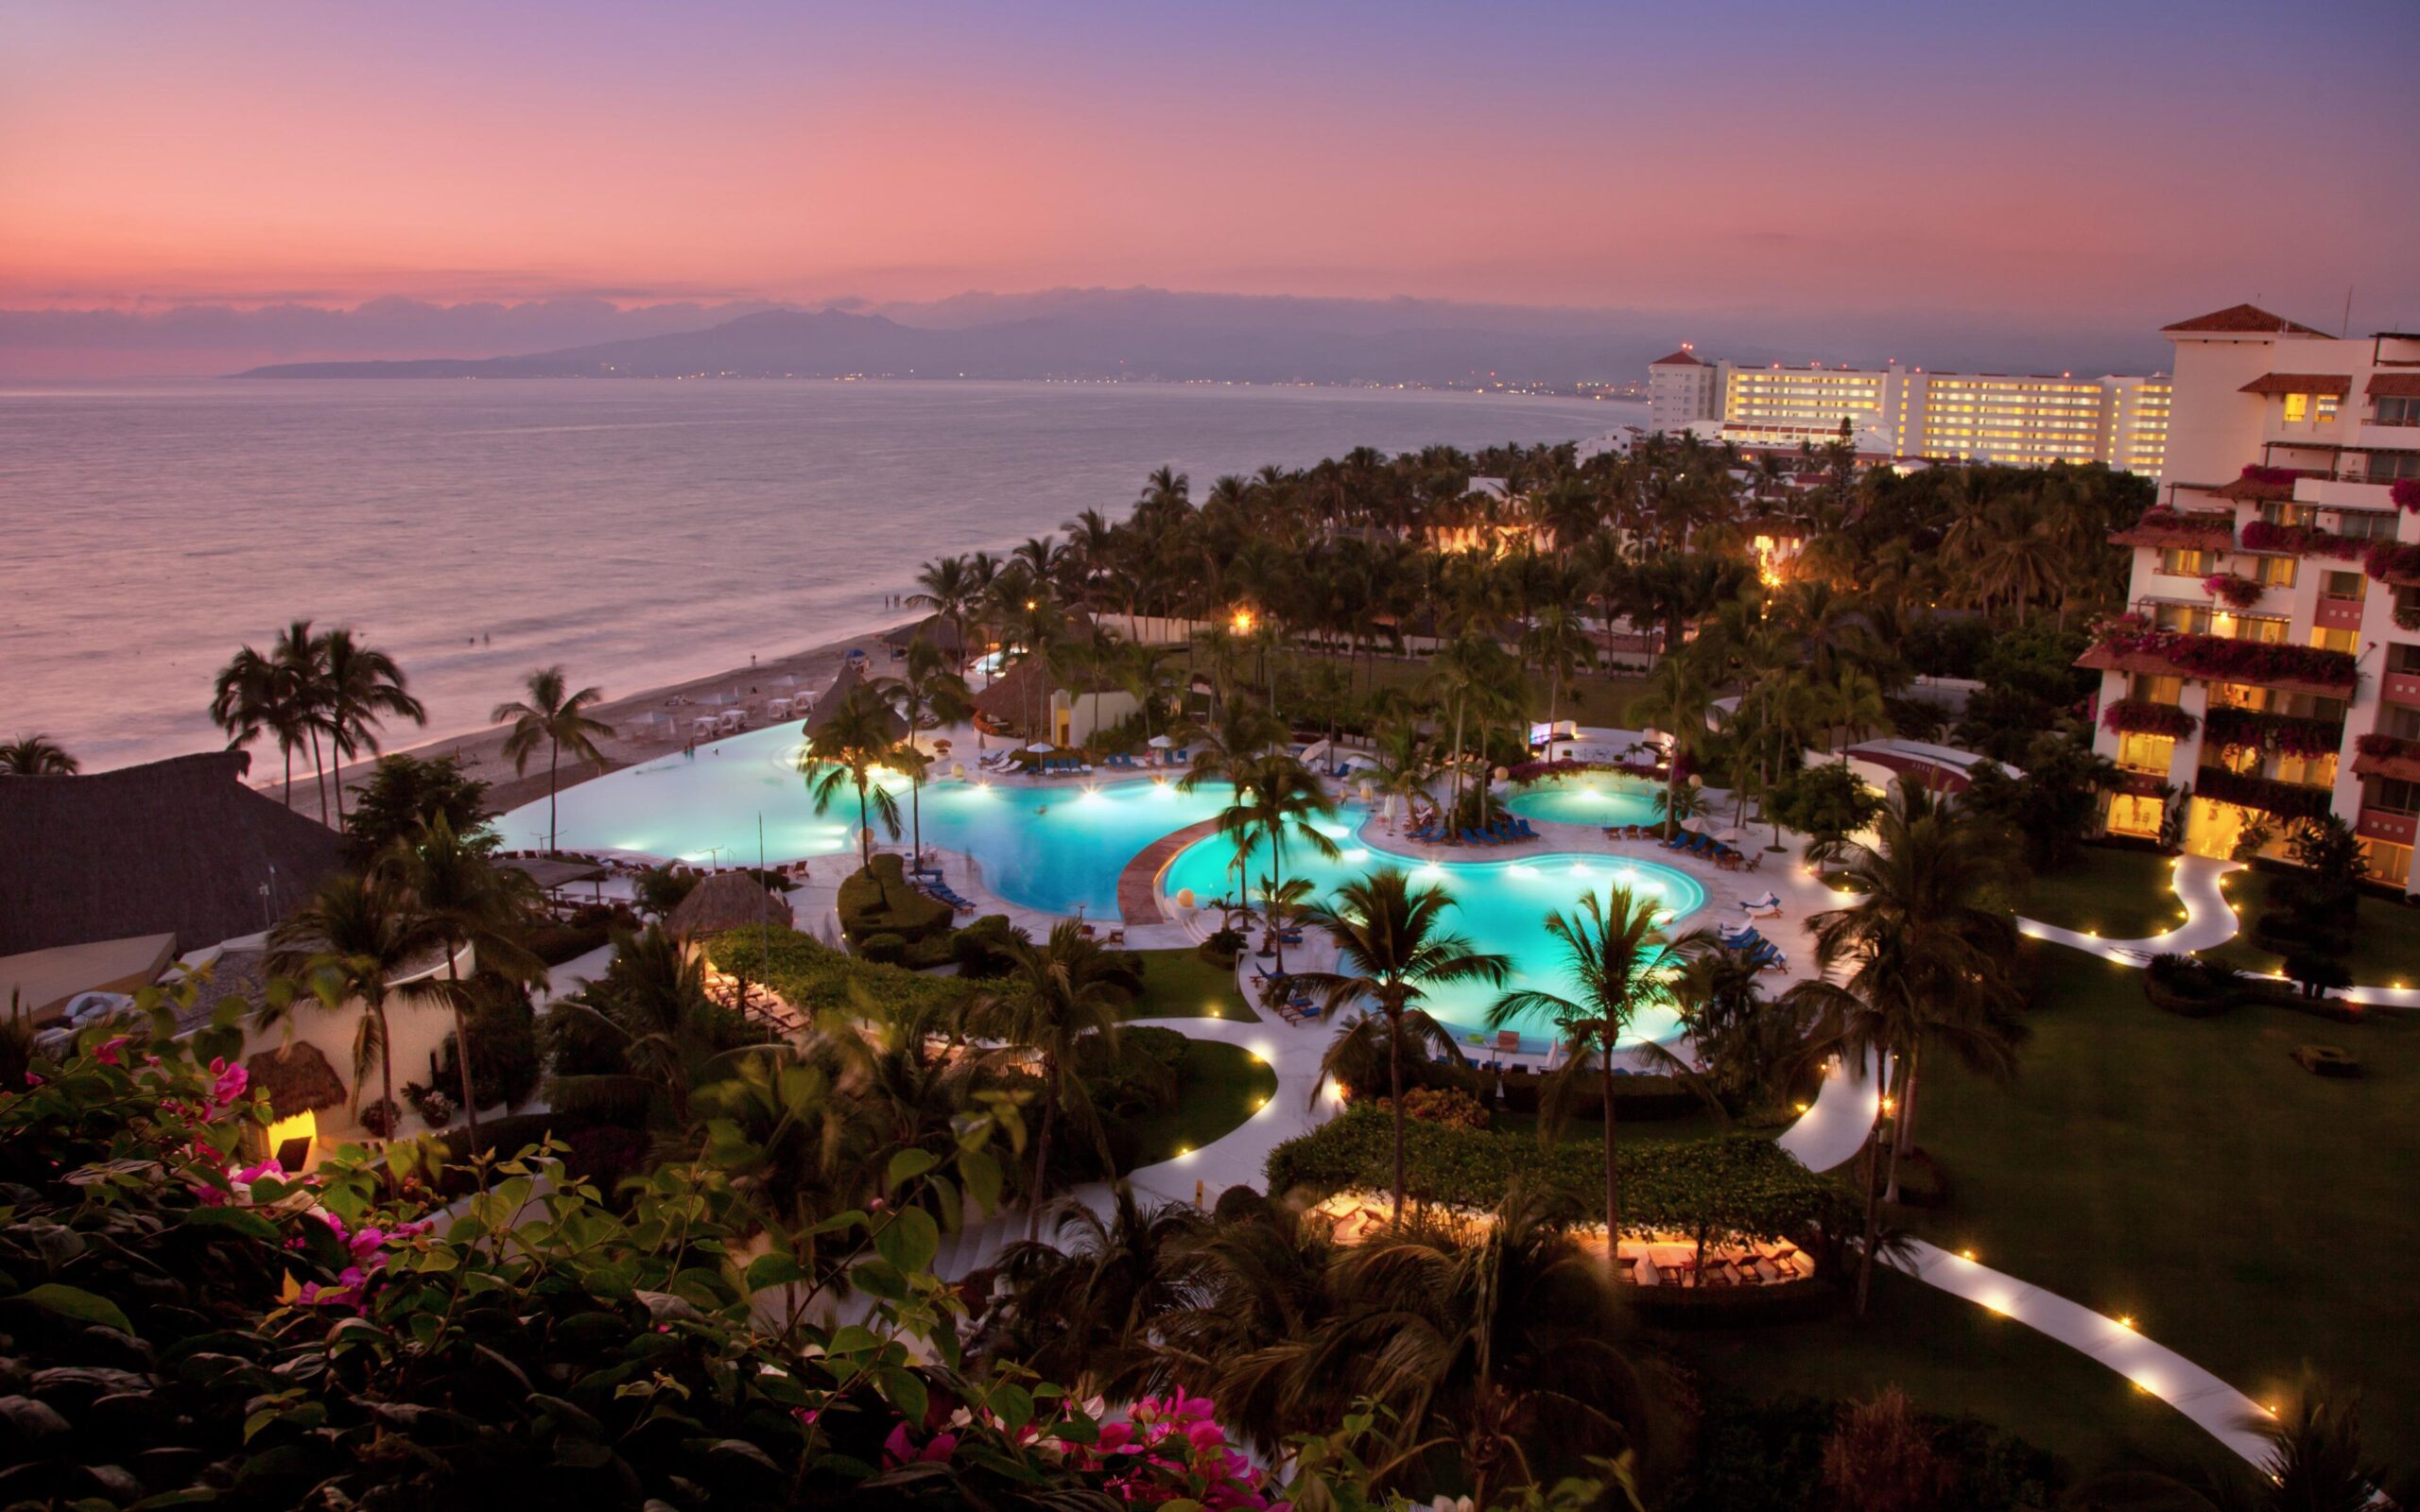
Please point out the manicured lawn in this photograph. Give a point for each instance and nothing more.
(1179, 984)
(2187, 1172)
(2115, 894)
(1952, 1357)
(2386, 942)
(1218, 1086)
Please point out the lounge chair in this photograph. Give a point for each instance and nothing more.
(1472, 837)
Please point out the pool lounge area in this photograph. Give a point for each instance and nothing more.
(1058, 847)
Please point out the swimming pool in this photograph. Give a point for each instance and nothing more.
(1059, 849)
(1500, 907)
(1590, 798)
(1052, 848)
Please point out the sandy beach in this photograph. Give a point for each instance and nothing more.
(800, 674)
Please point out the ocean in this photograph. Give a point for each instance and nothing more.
(637, 532)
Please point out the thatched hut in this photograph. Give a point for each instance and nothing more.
(300, 1084)
(728, 899)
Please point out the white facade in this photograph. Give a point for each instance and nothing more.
(2327, 427)
(1680, 389)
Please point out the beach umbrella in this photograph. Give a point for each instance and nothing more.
(1162, 742)
(1042, 747)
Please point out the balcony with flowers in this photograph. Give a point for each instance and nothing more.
(2383, 755)
(2303, 540)
(2132, 643)
(2145, 717)
(2233, 589)
(2258, 483)
(2260, 730)
(2395, 562)
(2163, 527)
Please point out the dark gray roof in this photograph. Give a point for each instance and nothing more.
(178, 847)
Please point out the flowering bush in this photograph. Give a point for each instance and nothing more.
(2287, 735)
(2226, 659)
(1449, 1106)
(2273, 477)
(2141, 717)
(2302, 540)
(2234, 588)
(2162, 525)
(2394, 561)
(2377, 743)
(2406, 493)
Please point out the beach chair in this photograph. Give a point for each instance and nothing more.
(1471, 836)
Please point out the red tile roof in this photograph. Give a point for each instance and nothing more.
(2399, 384)
(2246, 319)
(1683, 358)
(2337, 383)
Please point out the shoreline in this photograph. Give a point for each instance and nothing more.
(481, 750)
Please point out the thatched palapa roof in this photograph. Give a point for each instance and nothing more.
(296, 1077)
(728, 899)
(179, 846)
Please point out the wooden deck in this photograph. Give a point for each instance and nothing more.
(1138, 885)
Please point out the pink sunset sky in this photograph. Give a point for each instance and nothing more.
(2067, 161)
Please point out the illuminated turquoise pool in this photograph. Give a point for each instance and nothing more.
(1598, 798)
(1501, 906)
(1060, 849)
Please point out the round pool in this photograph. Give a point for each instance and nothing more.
(1590, 798)
(1500, 907)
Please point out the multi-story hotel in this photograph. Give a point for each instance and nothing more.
(2020, 420)
(2270, 668)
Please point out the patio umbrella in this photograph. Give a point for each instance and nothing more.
(1161, 743)
(1042, 747)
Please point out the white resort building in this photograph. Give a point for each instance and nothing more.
(2021, 420)
(2270, 666)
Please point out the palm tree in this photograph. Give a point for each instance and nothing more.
(928, 696)
(1276, 800)
(1560, 645)
(1392, 948)
(1056, 995)
(1500, 1348)
(1088, 1309)
(652, 1004)
(347, 944)
(37, 756)
(302, 658)
(1676, 700)
(1923, 956)
(845, 748)
(362, 687)
(1624, 965)
(560, 719)
(949, 587)
(455, 900)
(255, 694)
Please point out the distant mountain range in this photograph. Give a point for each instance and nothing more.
(1241, 345)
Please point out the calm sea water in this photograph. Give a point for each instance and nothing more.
(637, 532)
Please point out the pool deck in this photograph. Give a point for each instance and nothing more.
(1138, 884)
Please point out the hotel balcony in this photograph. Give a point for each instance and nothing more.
(2279, 666)
(2338, 613)
(2387, 826)
(2388, 756)
(2209, 529)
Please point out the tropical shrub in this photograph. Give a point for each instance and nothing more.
(661, 889)
(2190, 985)
(405, 793)
(813, 977)
(1825, 800)
(981, 949)
(884, 949)
(1449, 1106)
(877, 899)
(1729, 1184)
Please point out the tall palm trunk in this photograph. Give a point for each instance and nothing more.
(1395, 1088)
(1903, 1132)
(1042, 1145)
(386, 1064)
(554, 758)
(865, 828)
(461, 1040)
(320, 776)
(1613, 1173)
(288, 750)
(1866, 1165)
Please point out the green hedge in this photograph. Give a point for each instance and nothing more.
(812, 975)
(1731, 1183)
(879, 901)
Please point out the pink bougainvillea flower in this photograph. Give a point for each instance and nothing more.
(106, 1052)
(897, 1450)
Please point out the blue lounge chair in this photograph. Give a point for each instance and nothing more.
(1474, 837)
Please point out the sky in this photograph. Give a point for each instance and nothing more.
(2052, 162)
